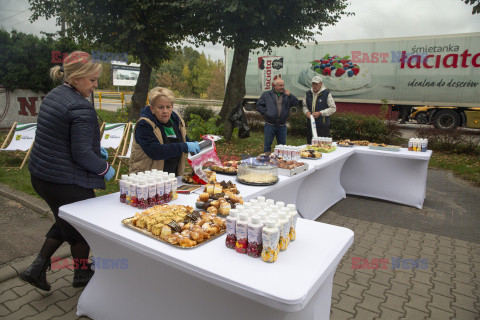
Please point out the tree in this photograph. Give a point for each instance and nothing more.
(258, 24)
(145, 29)
(475, 4)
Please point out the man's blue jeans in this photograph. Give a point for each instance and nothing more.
(280, 132)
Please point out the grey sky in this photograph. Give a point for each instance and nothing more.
(373, 19)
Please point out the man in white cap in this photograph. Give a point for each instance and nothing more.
(318, 102)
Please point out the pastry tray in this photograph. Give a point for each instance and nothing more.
(307, 158)
(384, 148)
(257, 183)
(225, 173)
(128, 223)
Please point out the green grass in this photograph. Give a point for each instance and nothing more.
(465, 166)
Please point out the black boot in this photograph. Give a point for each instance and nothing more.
(81, 277)
(36, 273)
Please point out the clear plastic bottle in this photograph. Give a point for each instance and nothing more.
(423, 144)
(231, 225)
(152, 191)
(242, 233)
(255, 227)
(121, 185)
(284, 228)
(270, 236)
(133, 192)
(160, 189)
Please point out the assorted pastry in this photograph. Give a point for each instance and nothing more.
(292, 164)
(179, 225)
(188, 177)
(230, 167)
(310, 153)
(215, 204)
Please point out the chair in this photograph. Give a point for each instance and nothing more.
(125, 153)
(22, 136)
(112, 136)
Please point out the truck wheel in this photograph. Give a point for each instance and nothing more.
(421, 118)
(446, 119)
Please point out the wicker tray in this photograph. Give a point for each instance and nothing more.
(128, 223)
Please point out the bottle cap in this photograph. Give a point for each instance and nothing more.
(282, 215)
(233, 213)
(255, 219)
(159, 178)
(143, 182)
(270, 201)
(260, 199)
(240, 207)
(151, 180)
(280, 204)
(124, 177)
(291, 207)
(254, 201)
(243, 216)
(271, 223)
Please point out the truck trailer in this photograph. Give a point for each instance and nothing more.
(441, 71)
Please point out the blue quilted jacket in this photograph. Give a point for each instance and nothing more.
(67, 141)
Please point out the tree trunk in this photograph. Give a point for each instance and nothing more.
(140, 93)
(235, 88)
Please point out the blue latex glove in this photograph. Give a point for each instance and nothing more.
(193, 147)
(104, 153)
(110, 173)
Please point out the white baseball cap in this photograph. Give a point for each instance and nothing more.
(317, 79)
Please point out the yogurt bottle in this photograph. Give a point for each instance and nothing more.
(254, 248)
(142, 194)
(242, 233)
(284, 229)
(270, 237)
(231, 225)
(121, 185)
(160, 189)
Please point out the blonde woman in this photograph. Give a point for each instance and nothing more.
(66, 162)
(160, 139)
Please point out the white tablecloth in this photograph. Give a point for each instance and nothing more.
(394, 176)
(165, 282)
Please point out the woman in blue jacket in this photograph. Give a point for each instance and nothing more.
(66, 162)
(160, 138)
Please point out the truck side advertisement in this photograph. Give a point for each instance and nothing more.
(437, 70)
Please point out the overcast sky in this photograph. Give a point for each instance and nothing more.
(373, 19)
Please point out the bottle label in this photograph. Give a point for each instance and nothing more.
(231, 226)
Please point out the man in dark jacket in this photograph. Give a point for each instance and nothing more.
(274, 106)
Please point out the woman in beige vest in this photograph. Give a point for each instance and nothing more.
(160, 138)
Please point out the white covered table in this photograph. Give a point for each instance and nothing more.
(208, 282)
(394, 176)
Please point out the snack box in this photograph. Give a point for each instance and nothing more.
(292, 172)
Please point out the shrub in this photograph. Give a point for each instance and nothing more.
(356, 126)
(297, 124)
(452, 140)
(197, 126)
(204, 113)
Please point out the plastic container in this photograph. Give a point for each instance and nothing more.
(284, 229)
(128, 195)
(142, 194)
(270, 237)
(231, 225)
(152, 191)
(242, 233)
(133, 192)
(160, 190)
(121, 185)
(293, 225)
(173, 180)
(255, 227)
(167, 191)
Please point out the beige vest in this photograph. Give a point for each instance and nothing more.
(139, 161)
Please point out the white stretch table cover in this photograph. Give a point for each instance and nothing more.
(394, 176)
(165, 282)
(312, 191)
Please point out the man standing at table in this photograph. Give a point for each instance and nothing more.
(320, 104)
(274, 106)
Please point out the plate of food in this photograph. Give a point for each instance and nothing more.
(383, 147)
(310, 154)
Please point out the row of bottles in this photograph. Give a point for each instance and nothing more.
(418, 144)
(147, 189)
(261, 228)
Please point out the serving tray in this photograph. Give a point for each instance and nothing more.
(128, 223)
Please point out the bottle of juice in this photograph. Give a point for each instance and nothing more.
(255, 227)
(242, 233)
(121, 185)
(159, 189)
(133, 192)
(284, 229)
(231, 225)
(167, 191)
(293, 214)
(270, 236)
(410, 144)
(127, 187)
(142, 194)
(173, 180)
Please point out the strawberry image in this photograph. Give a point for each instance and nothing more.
(343, 61)
(327, 71)
(346, 66)
(339, 72)
(356, 70)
